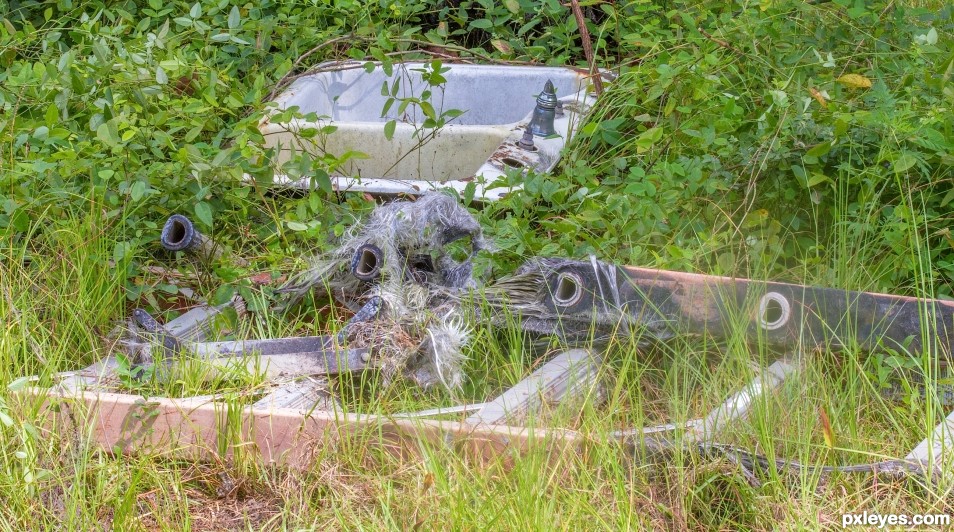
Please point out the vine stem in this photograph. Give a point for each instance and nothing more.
(587, 46)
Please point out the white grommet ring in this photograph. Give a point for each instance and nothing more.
(568, 290)
(774, 311)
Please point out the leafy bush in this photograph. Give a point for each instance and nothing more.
(749, 146)
(737, 139)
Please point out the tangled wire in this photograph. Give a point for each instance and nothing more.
(396, 271)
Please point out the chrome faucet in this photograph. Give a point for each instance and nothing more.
(541, 123)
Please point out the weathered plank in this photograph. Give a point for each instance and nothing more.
(281, 357)
(737, 406)
(570, 374)
(937, 450)
(780, 314)
(196, 324)
(442, 411)
(285, 357)
(214, 430)
(88, 377)
(307, 394)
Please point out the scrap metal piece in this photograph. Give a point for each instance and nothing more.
(526, 141)
(179, 234)
(145, 334)
(397, 268)
(544, 114)
(576, 300)
(170, 343)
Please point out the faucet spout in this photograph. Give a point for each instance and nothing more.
(541, 122)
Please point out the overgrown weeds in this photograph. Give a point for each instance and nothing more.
(809, 142)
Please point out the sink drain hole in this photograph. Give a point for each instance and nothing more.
(513, 163)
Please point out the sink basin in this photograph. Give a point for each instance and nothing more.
(488, 107)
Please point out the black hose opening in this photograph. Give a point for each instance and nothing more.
(367, 262)
(178, 233)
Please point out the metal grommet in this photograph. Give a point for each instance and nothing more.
(568, 289)
(774, 311)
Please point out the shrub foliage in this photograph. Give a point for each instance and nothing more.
(769, 139)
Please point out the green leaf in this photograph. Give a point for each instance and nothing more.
(108, 133)
(428, 110)
(389, 129)
(19, 384)
(817, 179)
(137, 190)
(203, 212)
(235, 18)
(52, 115)
(220, 37)
(323, 180)
(512, 5)
(819, 149)
(647, 138)
(481, 24)
(296, 226)
(905, 162)
(121, 251)
(161, 77)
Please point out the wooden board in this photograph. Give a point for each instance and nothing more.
(572, 374)
(937, 450)
(213, 430)
(304, 395)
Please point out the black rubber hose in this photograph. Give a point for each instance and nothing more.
(179, 234)
(367, 262)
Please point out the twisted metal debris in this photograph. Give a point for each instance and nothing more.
(395, 270)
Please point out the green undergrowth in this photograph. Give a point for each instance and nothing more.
(56, 479)
(795, 141)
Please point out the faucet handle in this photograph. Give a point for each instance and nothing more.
(526, 142)
(547, 99)
(541, 121)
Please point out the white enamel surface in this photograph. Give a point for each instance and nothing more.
(478, 146)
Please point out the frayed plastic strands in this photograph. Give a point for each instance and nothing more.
(400, 257)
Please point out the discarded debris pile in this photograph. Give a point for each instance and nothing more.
(397, 273)
(395, 270)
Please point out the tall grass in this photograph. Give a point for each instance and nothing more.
(63, 290)
(68, 295)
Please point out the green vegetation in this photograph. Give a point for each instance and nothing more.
(798, 141)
